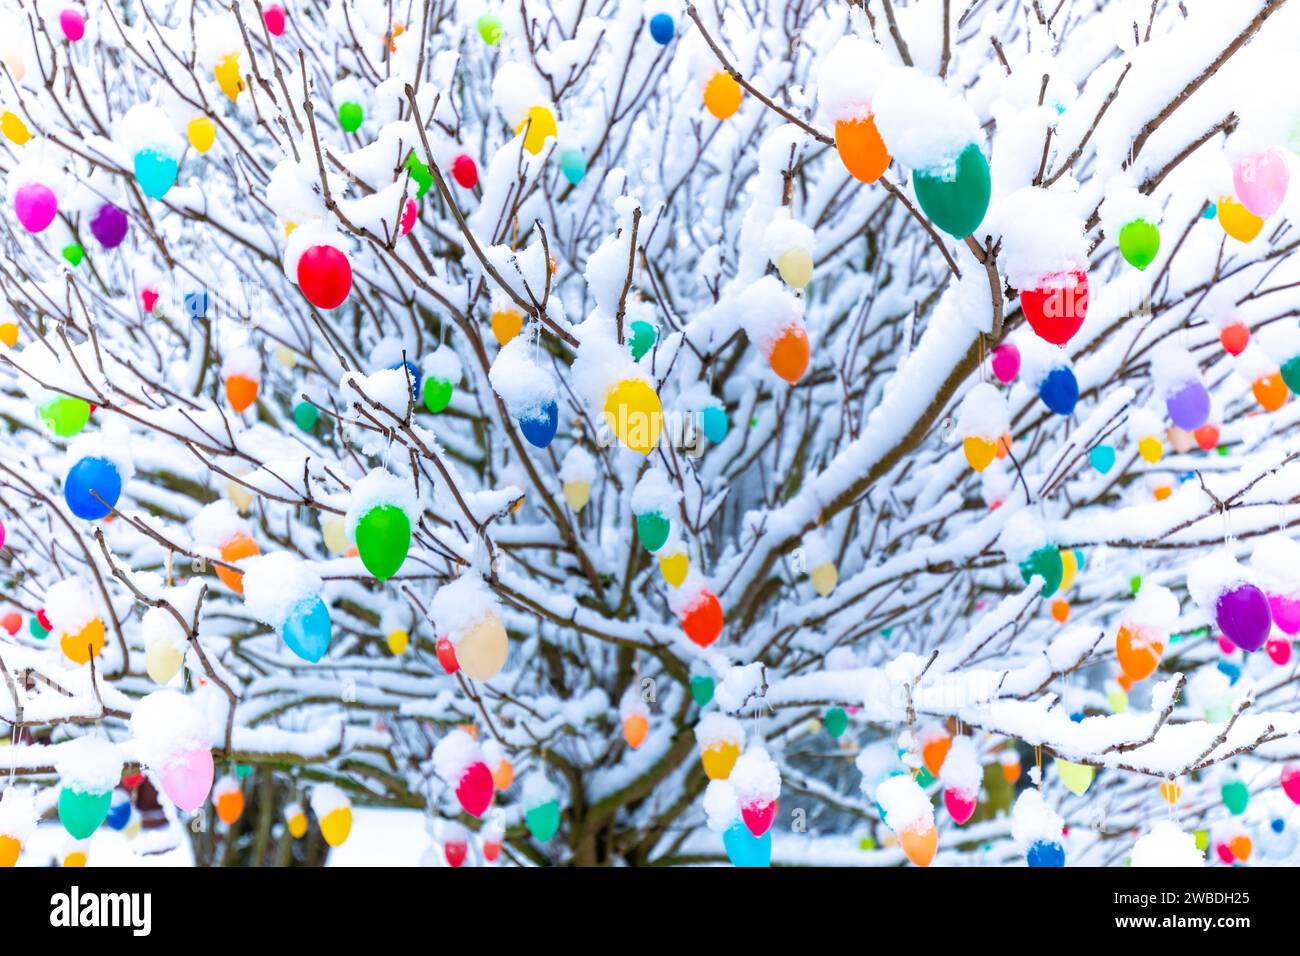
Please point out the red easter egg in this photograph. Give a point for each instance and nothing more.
(464, 171)
(1056, 309)
(325, 276)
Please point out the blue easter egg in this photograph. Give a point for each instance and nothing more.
(196, 304)
(307, 629)
(714, 423)
(155, 172)
(745, 849)
(1043, 853)
(119, 812)
(1060, 390)
(573, 164)
(414, 372)
(1278, 825)
(662, 28)
(539, 425)
(88, 481)
(1230, 669)
(1210, 211)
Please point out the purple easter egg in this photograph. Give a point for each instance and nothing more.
(1244, 617)
(1286, 612)
(1189, 406)
(36, 206)
(109, 226)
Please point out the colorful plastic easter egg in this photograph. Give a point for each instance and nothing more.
(241, 391)
(383, 540)
(1006, 362)
(1139, 241)
(1278, 650)
(446, 651)
(1045, 853)
(82, 813)
(228, 76)
(702, 620)
(1238, 221)
(273, 17)
(1059, 391)
(634, 414)
(325, 276)
(36, 206)
(1102, 458)
(1046, 562)
(1261, 181)
(790, 353)
(1291, 781)
(65, 415)
(306, 415)
(108, 225)
(92, 488)
(919, 844)
(482, 650)
(202, 133)
(155, 172)
(308, 628)
(795, 267)
(1270, 391)
(337, 826)
(714, 423)
(652, 529)
(489, 28)
(187, 778)
(1056, 309)
(960, 803)
(1285, 610)
(464, 171)
(674, 567)
(956, 197)
(540, 424)
(702, 687)
(506, 324)
(14, 129)
(1243, 615)
(1189, 406)
(543, 821)
(1236, 795)
(236, 548)
(861, 148)
(437, 394)
(1076, 777)
(722, 96)
(1139, 652)
(642, 340)
(351, 116)
(538, 127)
(662, 28)
(573, 164)
(746, 850)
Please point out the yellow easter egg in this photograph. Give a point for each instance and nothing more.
(162, 660)
(10, 847)
(506, 324)
(824, 578)
(634, 414)
(540, 124)
(9, 333)
(577, 494)
(14, 129)
(719, 759)
(337, 825)
(398, 641)
(1238, 221)
(674, 567)
(228, 78)
(796, 267)
(1069, 568)
(980, 452)
(286, 356)
(75, 858)
(1076, 777)
(1151, 449)
(298, 825)
(240, 495)
(202, 133)
(335, 532)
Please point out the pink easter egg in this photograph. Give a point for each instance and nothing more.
(187, 778)
(35, 206)
(1226, 646)
(758, 816)
(1261, 181)
(73, 24)
(408, 216)
(273, 15)
(1291, 781)
(1006, 362)
(1279, 650)
(960, 804)
(1286, 612)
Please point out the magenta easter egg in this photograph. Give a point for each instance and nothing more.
(1006, 362)
(187, 778)
(35, 206)
(758, 816)
(960, 804)
(1243, 615)
(73, 24)
(1286, 612)
(475, 789)
(1291, 781)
